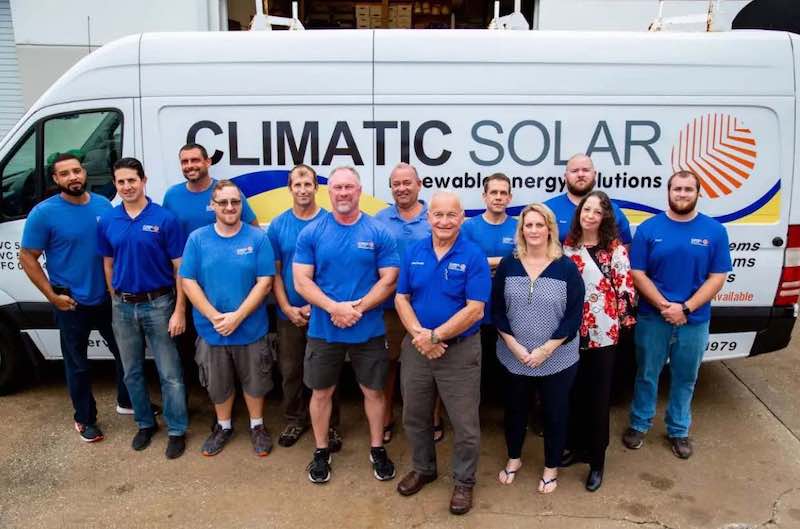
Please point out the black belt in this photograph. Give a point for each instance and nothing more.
(127, 297)
(458, 339)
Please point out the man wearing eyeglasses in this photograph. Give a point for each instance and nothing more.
(227, 272)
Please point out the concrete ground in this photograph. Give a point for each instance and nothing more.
(745, 472)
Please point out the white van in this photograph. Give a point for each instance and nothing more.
(459, 105)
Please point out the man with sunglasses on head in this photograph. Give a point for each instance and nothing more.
(227, 272)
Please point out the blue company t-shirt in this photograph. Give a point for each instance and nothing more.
(405, 232)
(564, 210)
(679, 256)
(142, 248)
(346, 260)
(439, 288)
(496, 240)
(226, 268)
(67, 233)
(194, 209)
(283, 232)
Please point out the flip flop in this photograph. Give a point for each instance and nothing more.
(509, 474)
(543, 483)
(438, 432)
(388, 433)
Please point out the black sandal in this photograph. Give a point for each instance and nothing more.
(388, 433)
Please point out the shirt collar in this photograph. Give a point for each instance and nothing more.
(396, 213)
(122, 214)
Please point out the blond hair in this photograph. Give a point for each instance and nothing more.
(553, 245)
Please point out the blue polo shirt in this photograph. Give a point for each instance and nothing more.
(564, 210)
(226, 268)
(67, 233)
(346, 259)
(678, 257)
(440, 288)
(142, 248)
(194, 210)
(405, 232)
(496, 240)
(283, 232)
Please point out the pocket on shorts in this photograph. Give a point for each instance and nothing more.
(201, 358)
(265, 357)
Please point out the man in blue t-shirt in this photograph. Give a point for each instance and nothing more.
(674, 307)
(227, 272)
(141, 244)
(64, 228)
(580, 177)
(441, 295)
(345, 266)
(494, 232)
(293, 310)
(407, 221)
(190, 202)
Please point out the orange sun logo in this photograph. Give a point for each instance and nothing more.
(719, 149)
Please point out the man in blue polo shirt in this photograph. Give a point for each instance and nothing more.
(141, 244)
(64, 228)
(227, 272)
(190, 202)
(494, 231)
(675, 307)
(346, 266)
(407, 221)
(443, 288)
(580, 176)
(293, 310)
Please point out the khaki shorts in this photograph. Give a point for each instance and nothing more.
(323, 362)
(395, 332)
(219, 365)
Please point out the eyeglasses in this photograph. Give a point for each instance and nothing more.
(232, 202)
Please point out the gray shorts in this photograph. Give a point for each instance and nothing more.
(323, 362)
(219, 365)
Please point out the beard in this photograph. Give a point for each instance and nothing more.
(682, 210)
(580, 191)
(73, 192)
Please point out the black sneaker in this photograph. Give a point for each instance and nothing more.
(334, 440)
(681, 447)
(89, 433)
(176, 446)
(217, 440)
(262, 441)
(319, 470)
(633, 439)
(382, 466)
(291, 434)
(142, 438)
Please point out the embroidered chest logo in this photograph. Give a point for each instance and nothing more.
(244, 251)
(699, 242)
(209, 207)
(366, 245)
(152, 228)
(417, 263)
(508, 240)
(457, 267)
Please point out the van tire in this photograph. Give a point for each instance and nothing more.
(13, 367)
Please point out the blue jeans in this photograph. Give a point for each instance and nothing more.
(684, 346)
(134, 325)
(74, 327)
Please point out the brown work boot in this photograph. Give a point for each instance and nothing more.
(461, 501)
(413, 483)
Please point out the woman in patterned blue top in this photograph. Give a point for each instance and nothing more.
(537, 304)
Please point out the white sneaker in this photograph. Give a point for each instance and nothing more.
(124, 411)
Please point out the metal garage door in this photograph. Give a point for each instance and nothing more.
(10, 87)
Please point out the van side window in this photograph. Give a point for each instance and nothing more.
(94, 137)
(18, 180)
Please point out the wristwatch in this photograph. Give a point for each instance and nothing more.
(434, 338)
(686, 309)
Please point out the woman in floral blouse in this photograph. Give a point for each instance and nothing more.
(594, 247)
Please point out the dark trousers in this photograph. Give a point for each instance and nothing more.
(186, 343)
(554, 391)
(457, 376)
(75, 326)
(291, 352)
(590, 404)
(492, 371)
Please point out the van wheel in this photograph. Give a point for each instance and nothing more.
(12, 361)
